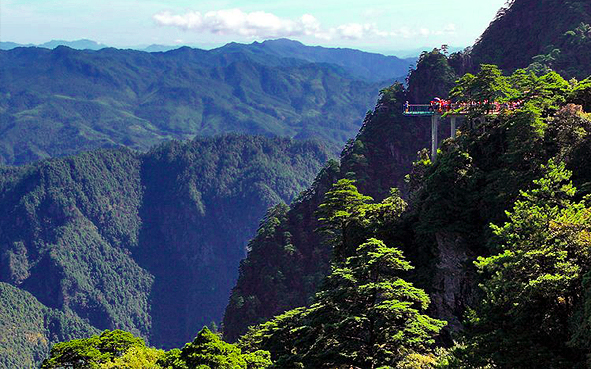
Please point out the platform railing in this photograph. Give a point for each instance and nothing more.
(457, 108)
(418, 109)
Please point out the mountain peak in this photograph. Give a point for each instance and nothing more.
(526, 28)
(82, 44)
(283, 42)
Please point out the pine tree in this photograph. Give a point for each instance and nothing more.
(208, 351)
(339, 203)
(533, 287)
(365, 316)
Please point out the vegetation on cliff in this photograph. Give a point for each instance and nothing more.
(547, 33)
(119, 349)
(497, 229)
(364, 313)
(477, 177)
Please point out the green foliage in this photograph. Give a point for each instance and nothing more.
(119, 349)
(511, 43)
(570, 55)
(489, 164)
(28, 328)
(92, 237)
(533, 286)
(136, 357)
(94, 351)
(364, 315)
(208, 351)
(432, 77)
(487, 87)
(581, 94)
(333, 213)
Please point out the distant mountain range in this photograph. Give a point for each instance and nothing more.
(61, 101)
(85, 44)
(367, 66)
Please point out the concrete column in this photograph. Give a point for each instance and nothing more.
(434, 132)
(453, 127)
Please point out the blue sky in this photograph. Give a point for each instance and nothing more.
(375, 25)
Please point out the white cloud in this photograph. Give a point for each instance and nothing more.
(424, 32)
(237, 22)
(260, 24)
(352, 31)
(450, 29)
(357, 31)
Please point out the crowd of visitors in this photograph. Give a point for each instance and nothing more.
(442, 106)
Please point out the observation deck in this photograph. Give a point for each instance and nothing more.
(442, 108)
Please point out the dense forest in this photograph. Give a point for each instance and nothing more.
(549, 34)
(149, 243)
(390, 259)
(485, 265)
(62, 101)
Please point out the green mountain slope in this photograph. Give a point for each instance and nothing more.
(62, 101)
(379, 158)
(527, 303)
(363, 65)
(149, 242)
(28, 328)
(452, 202)
(525, 29)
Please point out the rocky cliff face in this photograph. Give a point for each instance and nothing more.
(453, 280)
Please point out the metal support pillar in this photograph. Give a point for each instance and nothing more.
(434, 132)
(453, 127)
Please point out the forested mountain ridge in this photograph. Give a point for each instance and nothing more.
(63, 101)
(363, 65)
(494, 237)
(546, 33)
(28, 328)
(379, 158)
(145, 242)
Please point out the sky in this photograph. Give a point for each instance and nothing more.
(373, 25)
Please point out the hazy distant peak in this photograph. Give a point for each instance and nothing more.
(82, 44)
(282, 41)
